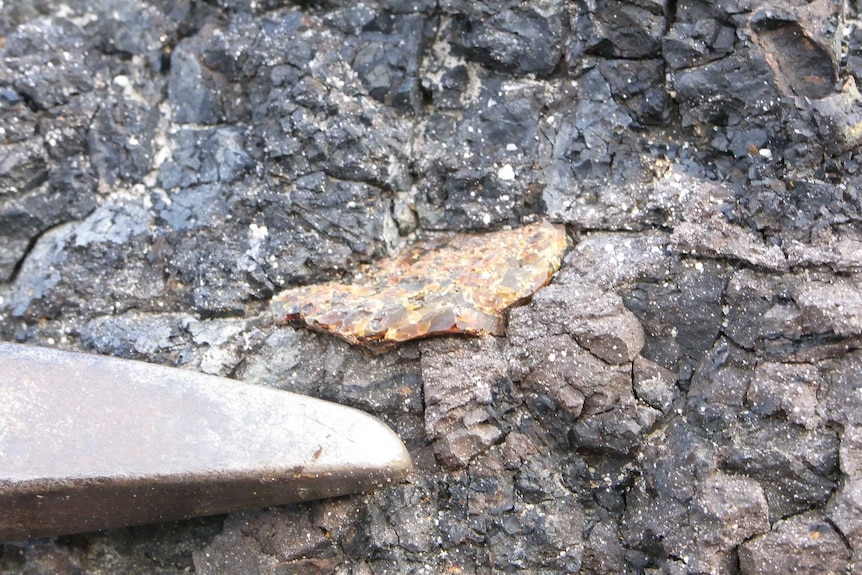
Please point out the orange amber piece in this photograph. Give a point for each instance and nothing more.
(462, 285)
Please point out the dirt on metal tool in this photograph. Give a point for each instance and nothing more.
(90, 442)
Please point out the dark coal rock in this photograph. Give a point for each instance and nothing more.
(120, 141)
(638, 86)
(48, 82)
(619, 29)
(682, 318)
(520, 39)
(682, 398)
(387, 57)
(697, 37)
(682, 488)
(46, 177)
(205, 157)
(477, 172)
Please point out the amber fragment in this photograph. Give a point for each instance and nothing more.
(462, 285)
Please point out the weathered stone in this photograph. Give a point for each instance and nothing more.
(596, 320)
(135, 336)
(120, 141)
(677, 460)
(792, 389)
(44, 291)
(573, 194)
(682, 488)
(38, 192)
(796, 468)
(799, 212)
(850, 452)
(458, 391)
(587, 132)
(24, 168)
(458, 447)
(845, 512)
(729, 87)
(804, 542)
(644, 256)
(721, 380)
(477, 172)
(718, 239)
(692, 43)
(604, 550)
(842, 404)
(838, 117)
(834, 307)
(137, 29)
(409, 524)
(731, 509)
(552, 522)
(759, 307)
(639, 84)
(565, 375)
(839, 249)
(205, 156)
(653, 384)
(593, 399)
(262, 541)
(491, 490)
(517, 450)
(194, 89)
(58, 78)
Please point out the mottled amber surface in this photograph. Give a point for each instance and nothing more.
(463, 285)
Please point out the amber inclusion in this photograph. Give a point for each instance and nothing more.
(462, 285)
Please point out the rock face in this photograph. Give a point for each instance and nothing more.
(683, 397)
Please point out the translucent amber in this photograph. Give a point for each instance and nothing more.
(462, 285)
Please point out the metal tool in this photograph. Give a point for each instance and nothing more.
(90, 442)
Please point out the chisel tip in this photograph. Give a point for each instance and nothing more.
(90, 442)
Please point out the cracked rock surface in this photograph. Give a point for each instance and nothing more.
(684, 397)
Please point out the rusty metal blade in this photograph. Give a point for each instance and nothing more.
(90, 442)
